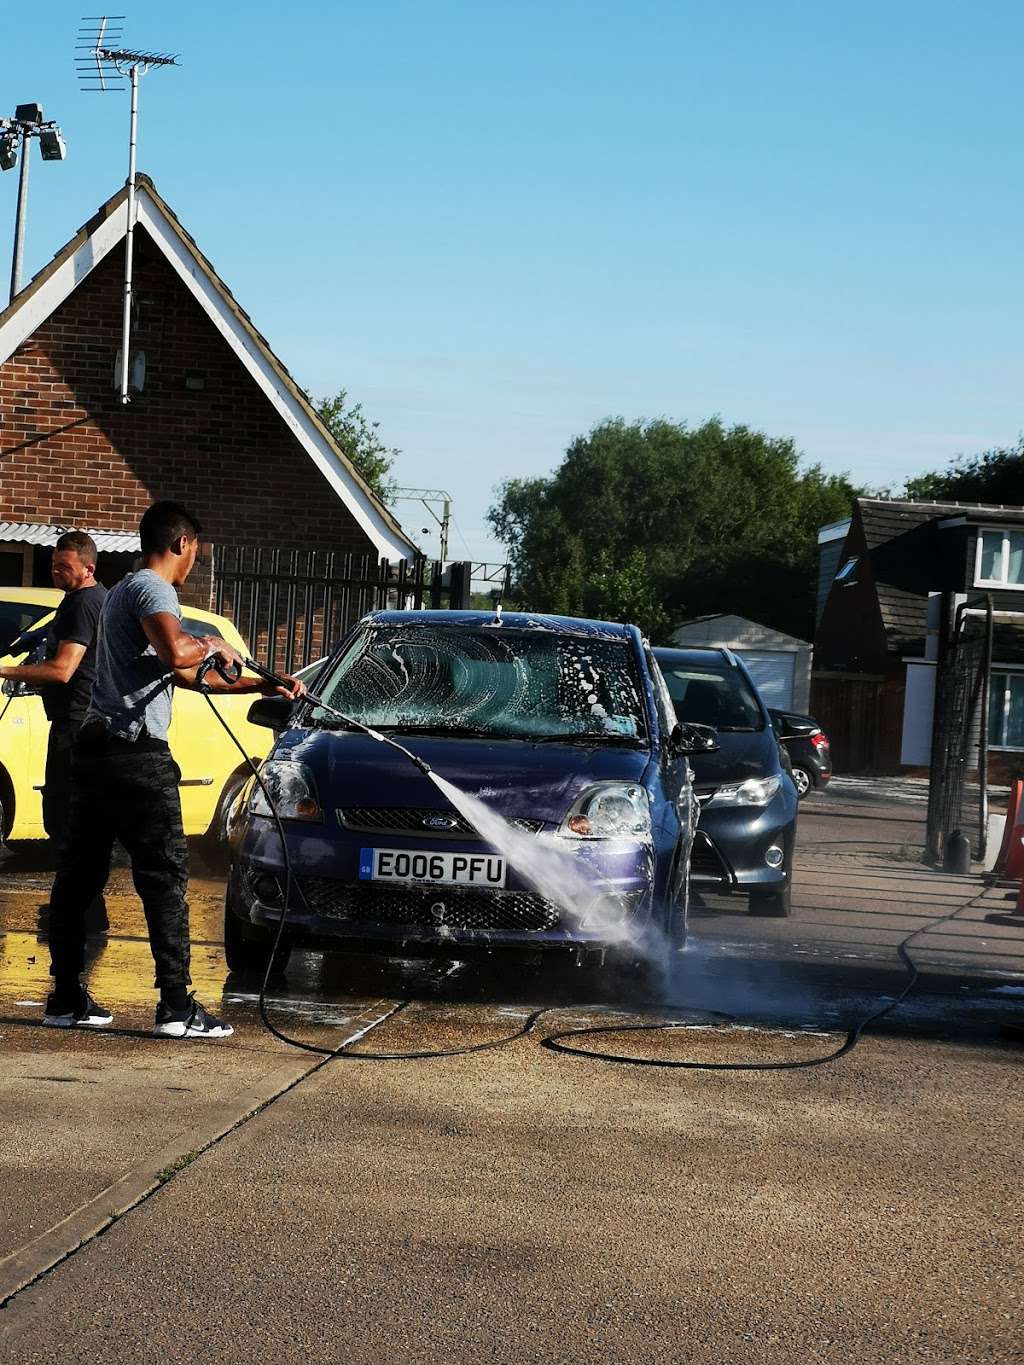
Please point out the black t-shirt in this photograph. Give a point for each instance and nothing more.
(77, 620)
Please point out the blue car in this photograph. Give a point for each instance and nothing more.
(748, 799)
(563, 727)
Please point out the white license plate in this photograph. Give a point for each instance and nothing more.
(436, 869)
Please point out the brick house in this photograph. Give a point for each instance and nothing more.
(215, 421)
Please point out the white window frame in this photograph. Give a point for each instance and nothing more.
(1005, 671)
(1004, 560)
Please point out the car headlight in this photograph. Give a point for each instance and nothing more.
(293, 790)
(756, 791)
(612, 810)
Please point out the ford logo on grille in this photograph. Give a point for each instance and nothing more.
(438, 822)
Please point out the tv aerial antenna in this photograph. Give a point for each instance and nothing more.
(105, 64)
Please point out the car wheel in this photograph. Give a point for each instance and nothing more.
(804, 782)
(774, 904)
(250, 954)
(677, 918)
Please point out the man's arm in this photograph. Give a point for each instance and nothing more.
(186, 677)
(178, 649)
(60, 669)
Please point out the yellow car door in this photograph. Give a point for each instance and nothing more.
(24, 728)
(24, 731)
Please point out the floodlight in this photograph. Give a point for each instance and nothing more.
(52, 146)
(8, 151)
(29, 113)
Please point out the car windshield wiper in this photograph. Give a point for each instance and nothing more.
(592, 740)
(444, 731)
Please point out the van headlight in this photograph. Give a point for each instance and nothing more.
(293, 789)
(756, 791)
(611, 810)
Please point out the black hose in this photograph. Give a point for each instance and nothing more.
(555, 1041)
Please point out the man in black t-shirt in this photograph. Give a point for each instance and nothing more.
(65, 677)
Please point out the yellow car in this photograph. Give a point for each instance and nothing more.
(212, 770)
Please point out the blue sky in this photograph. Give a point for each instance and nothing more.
(498, 224)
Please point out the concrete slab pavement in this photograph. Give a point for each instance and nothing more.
(522, 1206)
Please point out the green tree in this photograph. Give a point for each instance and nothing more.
(994, 476)
(359, 438)
(654, 522)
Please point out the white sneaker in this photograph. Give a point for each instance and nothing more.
(192, 1022)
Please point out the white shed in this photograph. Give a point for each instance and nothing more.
(779, 664)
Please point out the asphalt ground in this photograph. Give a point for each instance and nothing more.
(221, 1201)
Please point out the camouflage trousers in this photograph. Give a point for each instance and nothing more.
(126, 791)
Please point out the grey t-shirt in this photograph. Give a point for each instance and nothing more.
(132, 690)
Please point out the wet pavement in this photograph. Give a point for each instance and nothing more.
(517, 1204)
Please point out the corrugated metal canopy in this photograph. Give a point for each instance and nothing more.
(35, 533)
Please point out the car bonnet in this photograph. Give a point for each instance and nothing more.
(518, 779)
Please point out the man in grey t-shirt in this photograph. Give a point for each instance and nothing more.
(125, 781)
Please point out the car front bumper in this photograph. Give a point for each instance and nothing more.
(328, 903)
(733, 847)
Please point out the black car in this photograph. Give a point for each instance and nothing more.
(748, 800)
(808, 748)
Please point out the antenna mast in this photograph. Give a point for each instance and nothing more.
(104, 65)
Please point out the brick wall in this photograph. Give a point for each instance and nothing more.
(70, 453)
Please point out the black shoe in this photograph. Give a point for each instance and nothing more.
(192, 1022)
(75, 1012)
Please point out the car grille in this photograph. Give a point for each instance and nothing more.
(452, 907)
(706, 863)
(413, 820)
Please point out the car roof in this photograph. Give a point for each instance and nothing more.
(697, 658)
(35, 597)
(512, 620)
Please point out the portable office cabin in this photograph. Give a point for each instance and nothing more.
(779, 664)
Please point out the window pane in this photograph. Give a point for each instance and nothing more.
(991, 556)
(1015, 572)
(996, 703)
(1015, 718)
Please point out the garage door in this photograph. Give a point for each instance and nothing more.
(772, 671)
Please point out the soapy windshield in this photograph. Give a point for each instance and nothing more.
(532, 684)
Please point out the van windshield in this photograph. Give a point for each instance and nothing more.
(526, 684)
(721, 697)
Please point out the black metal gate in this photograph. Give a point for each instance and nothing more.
(956, 799)
(293, 606)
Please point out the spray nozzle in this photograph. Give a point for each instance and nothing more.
(497, 613)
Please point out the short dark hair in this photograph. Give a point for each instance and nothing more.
(163, 523)
(84, 546)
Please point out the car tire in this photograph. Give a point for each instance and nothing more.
(248, 955)
(775, 904)
(804, 781)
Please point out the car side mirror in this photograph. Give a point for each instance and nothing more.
(690, 738)
(273, 713)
